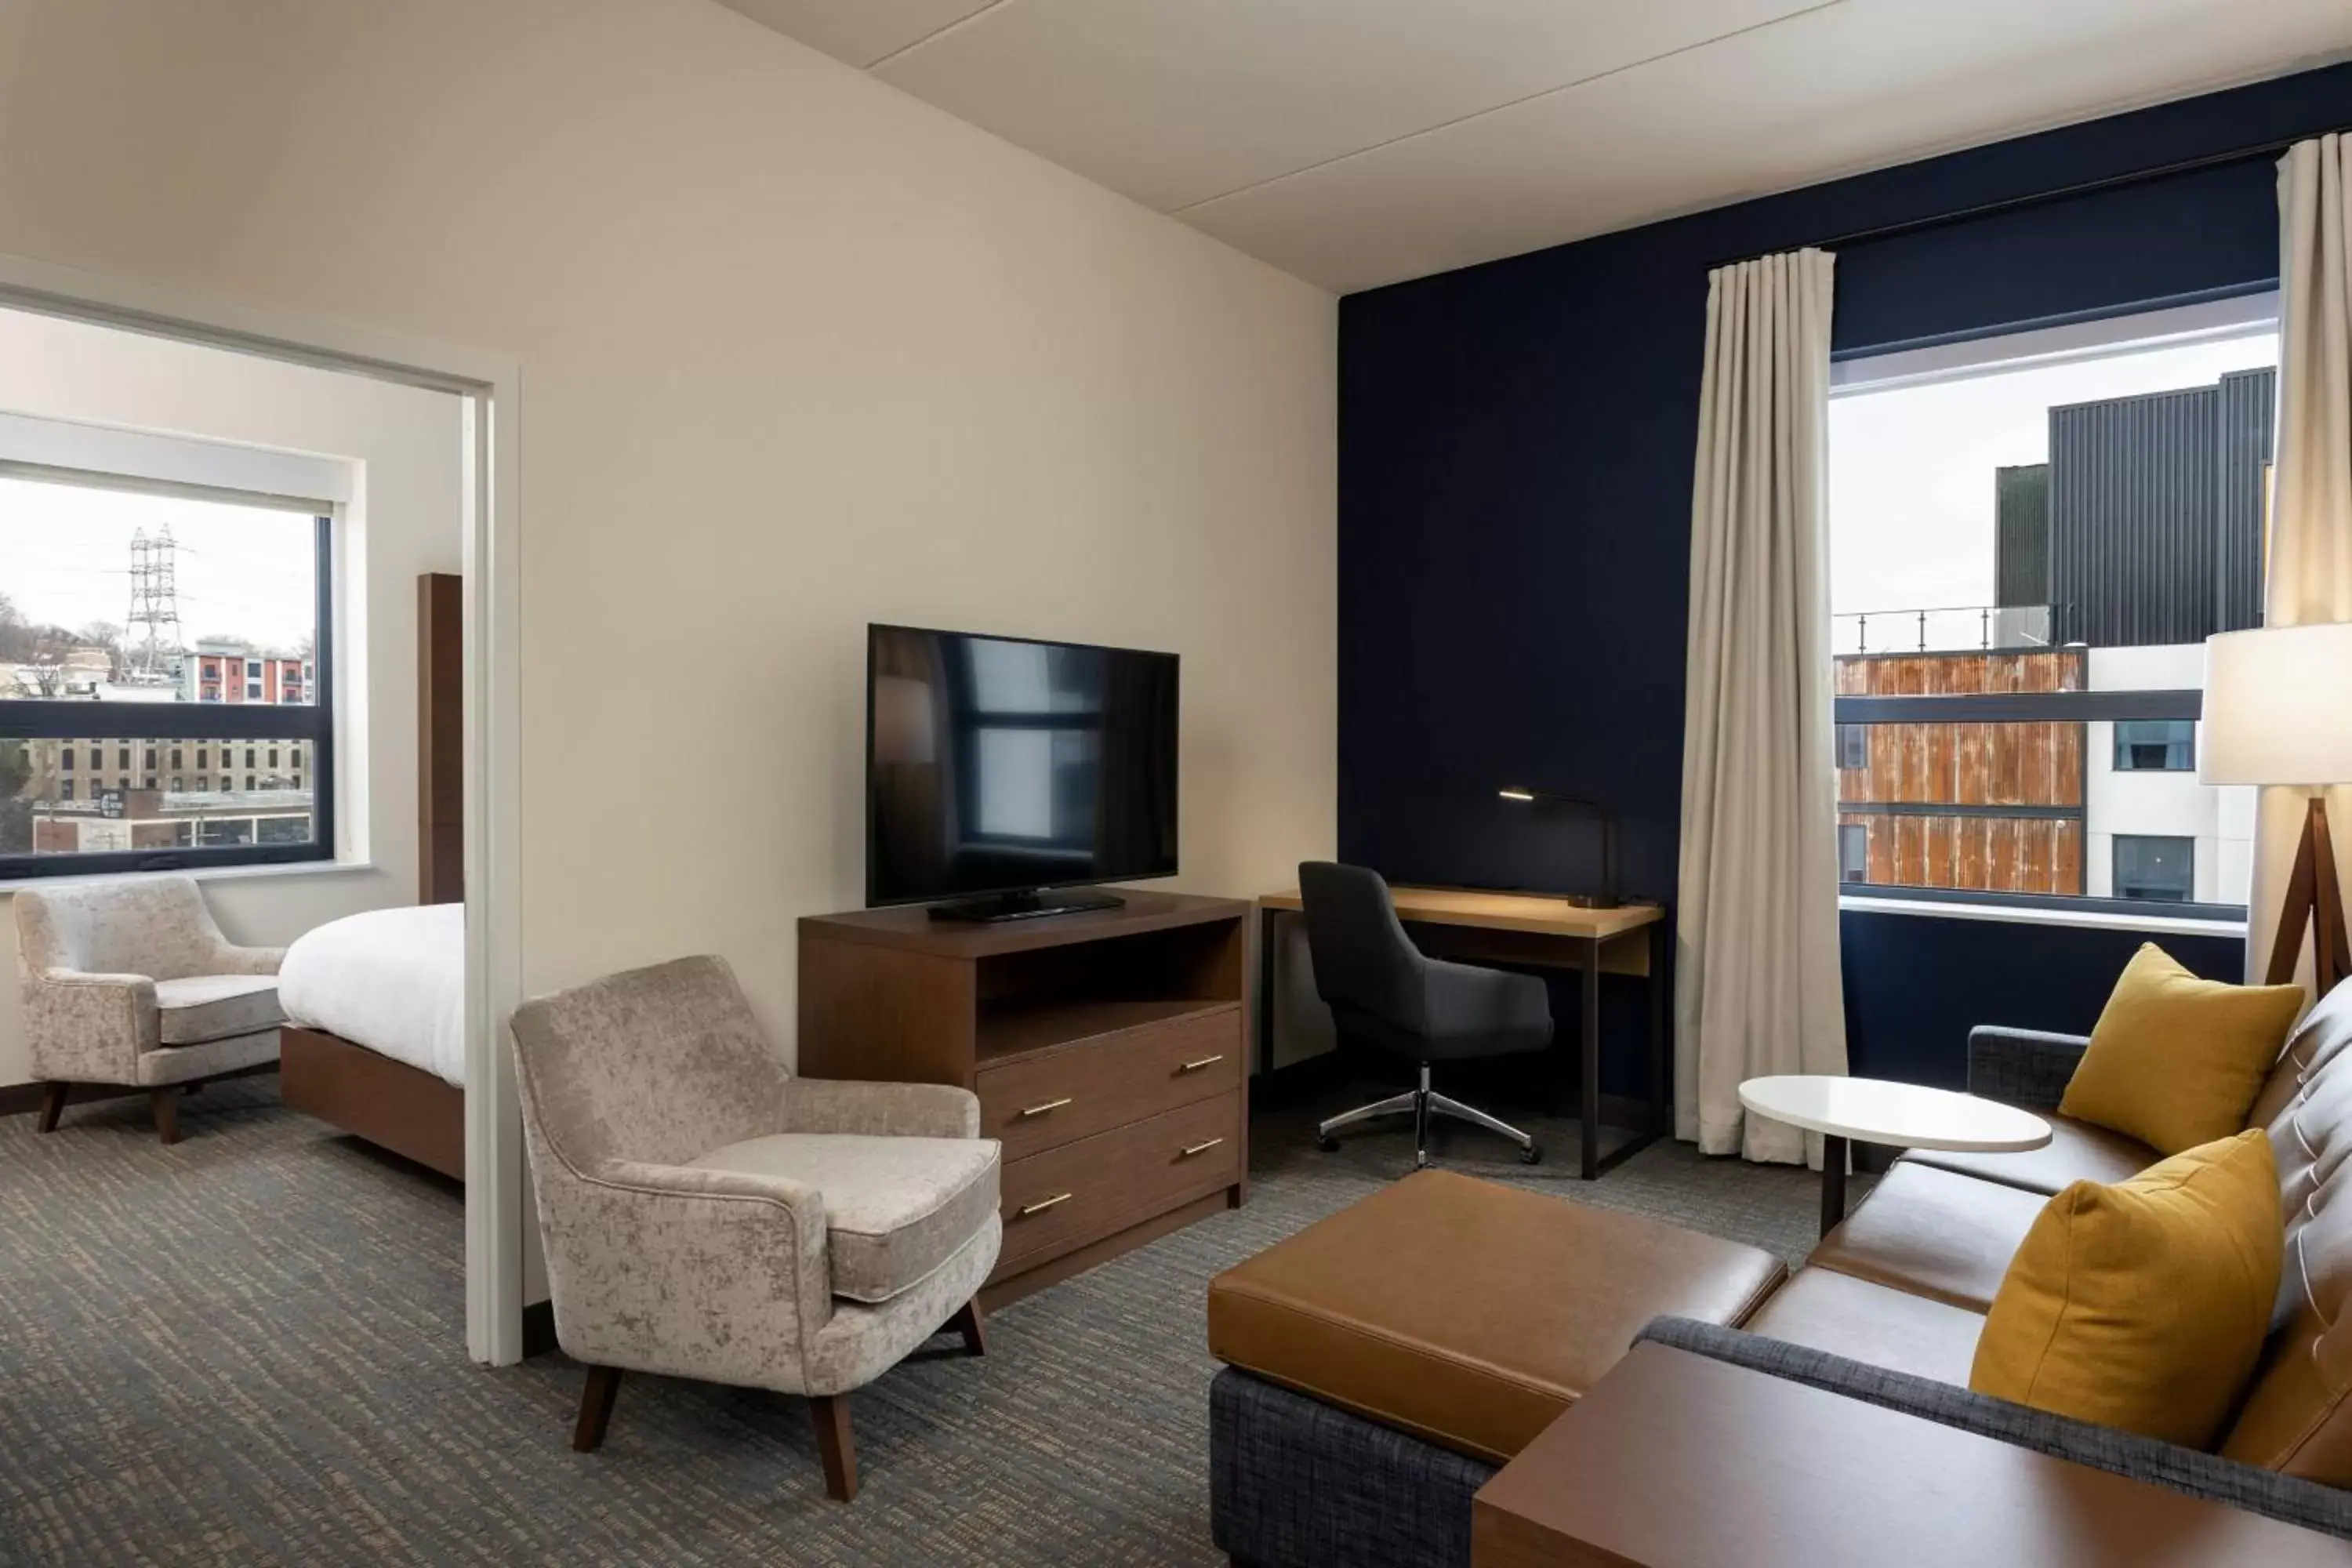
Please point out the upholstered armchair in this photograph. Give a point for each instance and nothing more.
(130, 984)
(707, 1214)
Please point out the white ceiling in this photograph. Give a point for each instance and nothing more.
(1356, 142)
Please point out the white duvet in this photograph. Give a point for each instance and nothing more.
(391, 980)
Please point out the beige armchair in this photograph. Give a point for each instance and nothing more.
(130, 983)
(708, 1215)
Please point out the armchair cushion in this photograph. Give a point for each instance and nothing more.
(896, 1209)
(214, 1006)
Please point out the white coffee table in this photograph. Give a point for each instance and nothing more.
(1878, 1111)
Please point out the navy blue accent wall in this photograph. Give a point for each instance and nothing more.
(1515, 463)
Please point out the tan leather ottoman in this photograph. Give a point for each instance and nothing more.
(1468, 1313)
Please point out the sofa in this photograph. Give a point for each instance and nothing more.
(1888, 1310)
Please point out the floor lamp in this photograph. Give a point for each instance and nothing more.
(2278, 710)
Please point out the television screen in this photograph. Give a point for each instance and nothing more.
(999, 765)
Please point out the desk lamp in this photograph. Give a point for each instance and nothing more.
(2278, 710)
(1606, 898)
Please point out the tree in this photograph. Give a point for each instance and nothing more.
(15, 633)
(107, 635)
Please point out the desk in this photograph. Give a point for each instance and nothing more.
(1676, 1461)
(1523, 931)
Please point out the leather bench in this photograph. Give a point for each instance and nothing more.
(1468, 1313)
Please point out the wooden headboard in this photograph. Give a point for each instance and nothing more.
(440, 738)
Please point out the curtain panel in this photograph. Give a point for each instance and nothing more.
(1757, 985)
(2309, 569)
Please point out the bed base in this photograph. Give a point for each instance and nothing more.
(390, 1104)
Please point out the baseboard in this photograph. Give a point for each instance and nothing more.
(538, 1329)
(21, 1098)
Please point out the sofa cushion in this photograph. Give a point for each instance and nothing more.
(2175, 1061)
(2142, 1305)
(1933, 1233)
(895, 1208)
(2297, 1415)
(1876, 1324)
(1467, 1313)
(214, 1006)
(2077, 1151)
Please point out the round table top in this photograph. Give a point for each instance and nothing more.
(1904, 1115)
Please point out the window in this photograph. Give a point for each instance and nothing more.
(2162, 868)
(2030, 538)
(248, 756)
(1854, 852)
(2156, 746)
(251, 574)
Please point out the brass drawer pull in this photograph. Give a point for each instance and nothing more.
(1200, 1148)
(1204, 1062)
(1042, 1204)
(1049, 1105)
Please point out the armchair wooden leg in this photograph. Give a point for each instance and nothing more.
(836, 1445)
(167, 1101)
(52, 1102)
(967, 1322)
(597, 1399)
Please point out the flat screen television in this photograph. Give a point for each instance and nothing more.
(1002, 771)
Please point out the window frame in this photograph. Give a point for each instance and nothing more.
(147, 724)
(1860, 371)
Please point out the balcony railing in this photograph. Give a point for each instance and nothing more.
(1943, 628)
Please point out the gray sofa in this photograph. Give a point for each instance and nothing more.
(1296, 1483)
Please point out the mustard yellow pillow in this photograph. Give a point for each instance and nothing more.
(2175, 1061)
(2142, 1305)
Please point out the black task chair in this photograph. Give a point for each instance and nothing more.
(1382, 991)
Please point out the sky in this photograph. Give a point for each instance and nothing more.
(242, 572)
(1911, 468)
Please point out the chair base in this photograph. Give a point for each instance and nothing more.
(1422, 1102)
(837, 1440)
(163, 1101)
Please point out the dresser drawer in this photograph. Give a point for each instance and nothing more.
(1083, 1190)
(1091, 1086)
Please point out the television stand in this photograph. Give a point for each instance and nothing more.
(1027, 906)
(1107, 1050)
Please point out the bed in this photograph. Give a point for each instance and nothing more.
(374, 1041)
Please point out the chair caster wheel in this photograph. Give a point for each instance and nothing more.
(1531, 1156)
(1329, 1145)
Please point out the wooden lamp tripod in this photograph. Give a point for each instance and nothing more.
(2278, 710)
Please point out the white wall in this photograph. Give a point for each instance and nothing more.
(403, 521)
(2167, 805)
(797, 351)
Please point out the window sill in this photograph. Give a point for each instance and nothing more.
(2101, 920)
(205, 874)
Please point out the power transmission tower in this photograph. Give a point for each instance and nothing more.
(153, 659)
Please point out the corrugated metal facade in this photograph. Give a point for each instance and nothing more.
(2248, 411)
(2021, 510)
(2156, 513)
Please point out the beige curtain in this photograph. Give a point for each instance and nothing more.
(2310, 564)
(1756, 983)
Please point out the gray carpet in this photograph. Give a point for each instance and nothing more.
(249, 1349)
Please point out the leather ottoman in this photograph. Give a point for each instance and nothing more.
(1467, 1313)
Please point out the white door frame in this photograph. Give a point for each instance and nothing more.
(491, 386)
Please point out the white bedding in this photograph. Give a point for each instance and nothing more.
(391, 980)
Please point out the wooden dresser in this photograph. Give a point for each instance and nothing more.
(1107, 1048)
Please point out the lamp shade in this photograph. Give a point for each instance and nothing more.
(2278, 706)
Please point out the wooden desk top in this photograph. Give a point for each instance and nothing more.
(911, 925)
(1677, 1461)
(1501, 911)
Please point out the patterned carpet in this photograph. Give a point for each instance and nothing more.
(249, 1349)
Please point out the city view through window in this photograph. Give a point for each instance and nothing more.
(158, 674)
(2038, 548)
